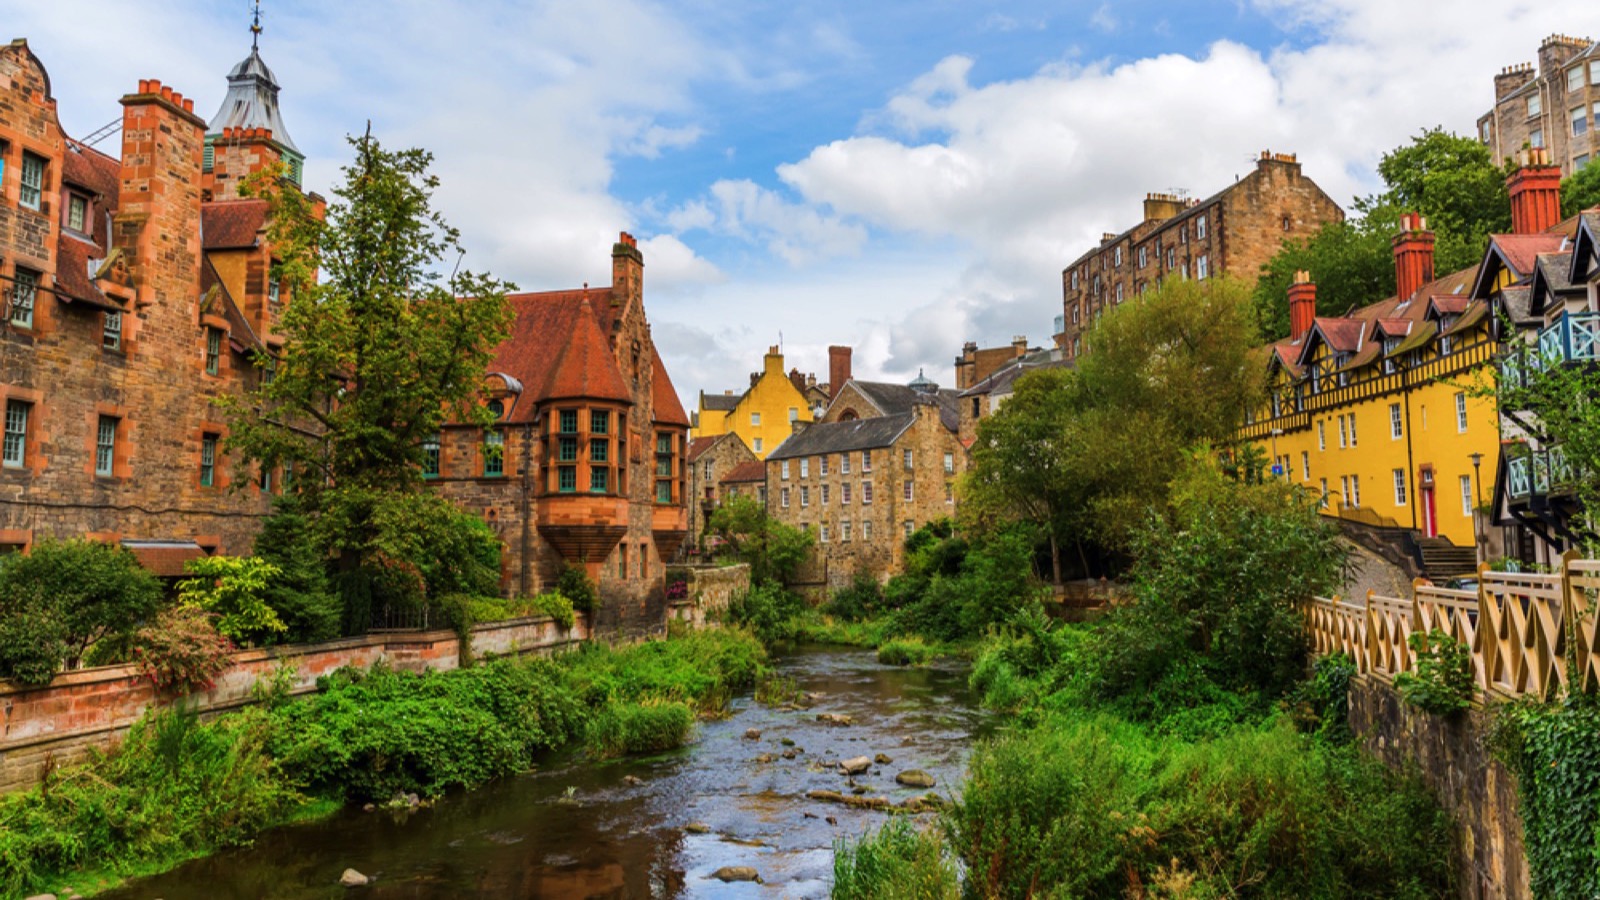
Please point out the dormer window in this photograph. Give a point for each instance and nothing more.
(77, 213)
(497, 409)
(1390, 364)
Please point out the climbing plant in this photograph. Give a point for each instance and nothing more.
(1554, 750)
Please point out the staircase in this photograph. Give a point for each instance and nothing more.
(1442, 560)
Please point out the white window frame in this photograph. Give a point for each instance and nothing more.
(1397, 427)
(24, 296)
(755, 420)
(949, 463)
(111, 330)
(1202, 267)
(908, 490)
(1200, 229)
(783, 472)
(805, 467)
(844, 463)
(1355, 489)
(844, 493)
(1322, 434)
(1575, 78)
(757, 447)
(30, 193)
(866, 493)
(805, 496)
(822, 464)
(1352, 429)
(1323, 501)
(822, 533)
(16, 434)
(1305, 465)
(844, 531)
(866, 530)
(1461, 412)
(783, 497)
(105, 446)
(1468, 506)
(825, 495)
(1344, 434)
(908, 458)
(1535, 105)
(1399, 487)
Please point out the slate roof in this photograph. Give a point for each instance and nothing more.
(893, 399)
(843, 437)
(745, 473)
(698, 446)
(719, 402)
(1000, 380)
(231, 224)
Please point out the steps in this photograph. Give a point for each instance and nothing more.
(1442, 560)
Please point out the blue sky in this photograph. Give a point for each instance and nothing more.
(899, 177)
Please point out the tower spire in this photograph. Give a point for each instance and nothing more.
(255, 26)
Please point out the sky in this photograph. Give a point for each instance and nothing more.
(896, 177)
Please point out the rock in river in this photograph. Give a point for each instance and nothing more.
(882, 759)
(835, 719)
(752, 734)
(915, 778)
(736, 873)
(855, 765)
(352, 878)
(697, 828)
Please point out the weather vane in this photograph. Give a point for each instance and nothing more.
(255, 26)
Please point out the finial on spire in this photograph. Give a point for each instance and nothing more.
(255, 26)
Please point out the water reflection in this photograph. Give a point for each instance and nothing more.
(574, 829)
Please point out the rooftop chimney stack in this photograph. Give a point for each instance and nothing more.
(1413, 255)
(1535, 189)
(1302, 305)
(838, 370)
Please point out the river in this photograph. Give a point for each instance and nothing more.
(578, 829)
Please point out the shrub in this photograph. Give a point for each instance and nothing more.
(182, 650)
(233, 588)
(1554, 750)
(702, 668)
(300, 593)
(646, 727)
(62, 598)
(1321, 704)
(575, 585)
(555, 605)
(1444, 681)
(905, 652)
(897, 862)
(768, 610)
(861, 599)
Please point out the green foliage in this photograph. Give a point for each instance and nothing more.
(1555, 403)
(907, 651)
(1580, 191)
(896, 862)
(773, 549)
(463, 611)
(1554, 750)
(63, 597)
(453, 551)
(1352, 263)
(862, 599)
(1443, 682)
(182, 650)
(769, 610)
(647, 727)
(575, 585)
(1321, 704)
(701, 668)
(233, 588)
(300, 593)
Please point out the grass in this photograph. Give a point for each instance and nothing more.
(906, 651)
(897, 862)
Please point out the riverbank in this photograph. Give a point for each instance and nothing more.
(178, 787)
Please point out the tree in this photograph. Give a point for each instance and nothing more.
(1580, 190)
(1450, 179)
(233, 588)
(379, 352)
(773, 549)
(65, 597)
(300, 592)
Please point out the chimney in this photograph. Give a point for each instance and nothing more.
(1510, 79)
(798, 380)
(1535, 189)
(1302, 305)
(157, 223)
(1413, 255)
(1019, 345)
(772, 363)
(627, 271)
(1158, 207)
(838, 370)
(237, 154)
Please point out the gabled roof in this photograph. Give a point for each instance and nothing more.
(1000, 380)
(890, 399)
(843, 437)
(585, 367)
(1287, 354)
(664, 402)
(1418, 338)
(1517, 252)
(1475, 312)
(1394, 327)
(1586, 246)
(74, 258)
(719, 402)
(214, 293)
(745, 472)
(231, 224)
(1447, 305)
(91, 170)
(698, 446)
(1341, 335)
(1550, 281)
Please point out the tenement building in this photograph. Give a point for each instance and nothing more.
(136, 289)
(1554, 106)
(1235, 230)
(710, 460)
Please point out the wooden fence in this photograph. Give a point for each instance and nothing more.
(1530, 634)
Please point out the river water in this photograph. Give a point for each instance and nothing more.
(579, 829)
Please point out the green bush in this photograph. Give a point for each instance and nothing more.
(64, 597)
(575, 585)
(300, 593)
(1321, 704)
(861, 599)
(1443, 681)
(647, 727)
(896, 862)
(702, 668)
(905, 652)
(1553, 749)
(182, 650)
(233, 588)
(769, 610)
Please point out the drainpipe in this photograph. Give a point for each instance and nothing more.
(526, 573)
(1405, 386)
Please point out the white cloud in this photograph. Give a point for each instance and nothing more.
(794, 232)
(1104, 19)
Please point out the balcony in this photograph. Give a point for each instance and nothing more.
(1574, 337)
(1539, 473)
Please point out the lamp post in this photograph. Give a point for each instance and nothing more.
(1479, 539)
(1275, 433)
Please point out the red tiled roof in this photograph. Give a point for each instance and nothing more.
(231, 224)
(1343, 335)
(700, 445)
(1395, 327)
(1450, 304)
(1521, 251)
(164, 559)
(88, 168)
(664, 397)
(746, 472)
(72, 273)
(585, 366)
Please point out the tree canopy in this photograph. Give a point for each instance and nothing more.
(1580, 190)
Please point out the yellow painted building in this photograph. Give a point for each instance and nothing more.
(763, 416)
(1375, 411)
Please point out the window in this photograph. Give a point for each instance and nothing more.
(213, 350)
(599, 422)
(494, 457)
(111, 331)
(1200, 228)
(622, 560)
(866, 493)
(1399, 487)
(1575, 78)
(824, 495)
(794, 414)
(866, 461)
(663, 492)
(1202, 267)
(866, 530)
(1117, 256)
(430, 457)
(757, 447)
(599, 450)
(1461, 413)
(1535, 105)
(1396, 424)
(908, 526)
(1305, 465)
(844, 464)
(805, 496)
(949, 463)
(78, 212)
(1580, 121)
(32, 193)
(805, 467)
(569, 421)
(949, 492)
(1143, 257)
(208, 460)
(1322, 434)
(906, 457)
(1119, 292)
(274, 286)
(783, 498)
(1072, 278)
(844, 494)
(1287, 223)
(1172, 258)
(266, 481)
(496, 408)
(1323, 486)
(1467, 505)
(567, 449)
(1344, 488)
(1536, 137)
(705, 470)
(783, 468)
(1594, 73)
(664, 467)
(1355, 489)
(23, 290)
(755, 420)
(599, 480)
(16, 439)
(822, 464)
(1352, 429)
(1183, 234)
(844, 531)
(1344, 434)
(824, 533)
(907, 488)
(567, 479)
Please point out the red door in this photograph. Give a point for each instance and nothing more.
(1430, 519)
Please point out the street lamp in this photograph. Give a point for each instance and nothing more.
(1482, 540)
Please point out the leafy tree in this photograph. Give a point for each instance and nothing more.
(1580, 190)
(64, 597)
(1352, 263)
(300, 592)
(379, 352)
(234, 589)
(576, 585)
(773, 549)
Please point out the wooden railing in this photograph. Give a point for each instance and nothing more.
(1531, 635)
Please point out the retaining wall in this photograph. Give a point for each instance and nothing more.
(59, 722)
(710, 590)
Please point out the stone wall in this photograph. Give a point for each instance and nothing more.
(1477, 791)
(710, 590)
(61, 721)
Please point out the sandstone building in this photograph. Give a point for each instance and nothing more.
(1234, 231)
(711, 459)
(1555, 106)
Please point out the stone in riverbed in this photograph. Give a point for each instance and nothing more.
(882, 759)
(352, 878)
(915, 778)
(855, 765)
(752, 734)
(737, 873)
(42, 897)
(697, 828)
(837, 720)
(765, 758)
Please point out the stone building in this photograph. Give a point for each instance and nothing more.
(1234, 231)
(861, 486)
(974, 364)
(980, 400)
(1555, 106)
(587, 465)
(137, 289)
(763, 414)
(746, 480)
(710, 459)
